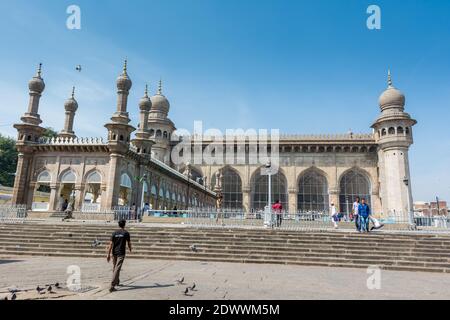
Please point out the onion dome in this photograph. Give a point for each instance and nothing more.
(123, 81)
(71, 104)
(160, 102)
(145, 104)
(36, 84)
(391, 97)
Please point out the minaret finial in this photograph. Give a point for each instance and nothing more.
(39, 72)
(73, 92)
(160, 87)
(125, 66)
(146, 90)
(389, 79)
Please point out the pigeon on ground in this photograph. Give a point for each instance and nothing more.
(39, 289)
(96, 243)
(193, 287)
(49, 289)
(193, 248)
(57, 285)
(13, 296)
(185, 292)
(181, 281)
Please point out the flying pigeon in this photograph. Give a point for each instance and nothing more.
(13, 296)
(78, 68)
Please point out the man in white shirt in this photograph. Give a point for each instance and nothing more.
(334, 216)
(355, 212)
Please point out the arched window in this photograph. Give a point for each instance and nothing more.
(231, 188)
(391, 130)
(400, 130)
(313, 192)
(407, 131)
(353, 184)
(152, 132)
(125, 181)
(260, 187)
(125, 190)
(165, 135)
(94, 177)
(44, 177)
(383, 132)
(158, 133)
(69, 177)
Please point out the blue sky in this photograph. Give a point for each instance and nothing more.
(300, 66)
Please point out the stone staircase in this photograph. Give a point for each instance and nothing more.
(407, 252)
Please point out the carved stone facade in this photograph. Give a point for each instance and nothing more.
(89, 174)
(313, 173)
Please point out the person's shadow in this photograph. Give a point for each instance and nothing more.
(136, 287)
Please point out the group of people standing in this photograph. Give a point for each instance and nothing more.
(361, 214)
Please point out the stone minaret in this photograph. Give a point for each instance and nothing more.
(29, 132)
(71, 106)
(393, 133)
(160, 126)
(119, 131)
(142, 140)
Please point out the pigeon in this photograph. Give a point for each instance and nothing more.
(13, 290)
(193, 287)
(96, 243)
(185, 292)
(78, 68)
(57, 285)
(6, 298)
(49, 289)
(13, 296)
(181, 281)
(39, 289)
(193, 248)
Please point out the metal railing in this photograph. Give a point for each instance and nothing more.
(13, 213)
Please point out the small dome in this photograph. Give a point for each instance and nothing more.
(160, 104)
(392, 97)
(37, 83)
(145, 103)
(71, 104)
(123, 81)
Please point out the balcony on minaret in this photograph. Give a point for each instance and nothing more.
(71, 106)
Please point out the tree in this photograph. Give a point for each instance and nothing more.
(8, 160)
(49, 133)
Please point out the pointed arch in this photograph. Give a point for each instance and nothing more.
(313, 191)
(259, 189)
(231, 188)
(354, 182)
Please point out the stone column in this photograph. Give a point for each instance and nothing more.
(79, 197)
(21, 180)
(246, 201)
(293, 199)
(113, 183)
(53, 202)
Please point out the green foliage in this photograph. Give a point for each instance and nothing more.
(49, 133)
(8, 161)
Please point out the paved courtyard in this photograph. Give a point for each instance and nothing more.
(155, 279)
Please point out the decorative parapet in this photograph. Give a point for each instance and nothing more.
(72, 141)
(325, 137)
